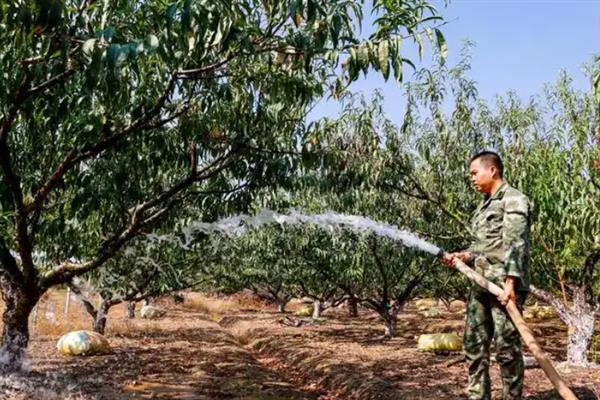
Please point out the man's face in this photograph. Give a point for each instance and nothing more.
(482, 176)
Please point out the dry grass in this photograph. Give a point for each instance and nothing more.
(209, 305)
(216, 306)
(51, 318)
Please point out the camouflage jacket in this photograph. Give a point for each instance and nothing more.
(500, 229)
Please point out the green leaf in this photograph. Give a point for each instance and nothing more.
(441, 44)
(419, 41)
(384, 53)
(397, 67)
(363, 55)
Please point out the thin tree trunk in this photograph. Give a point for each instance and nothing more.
(390, 316)
(317, 309)
(100, 318)
(581, 329)
(580, 319)
(281, 306)
(131, 309)
(15, 333)
(352, 306)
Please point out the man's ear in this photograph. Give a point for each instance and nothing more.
(494, 172)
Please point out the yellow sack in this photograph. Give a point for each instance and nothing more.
(439, 341)
(151, 312)
(83, 343)
(425, 304)
(431, 313)
(306, 311)
(538, 312)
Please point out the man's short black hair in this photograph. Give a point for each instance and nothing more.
(490, 158)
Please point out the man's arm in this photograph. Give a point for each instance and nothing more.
(515, 236)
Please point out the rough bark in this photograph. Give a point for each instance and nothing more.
(15, 333)
(99, 324)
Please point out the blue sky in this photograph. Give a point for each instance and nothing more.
(520, 45)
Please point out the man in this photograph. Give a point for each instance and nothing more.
(500, 252)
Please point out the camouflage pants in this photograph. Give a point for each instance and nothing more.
(486, 319)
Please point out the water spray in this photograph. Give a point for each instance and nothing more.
(239, 224)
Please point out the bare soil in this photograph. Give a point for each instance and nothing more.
(237, 348)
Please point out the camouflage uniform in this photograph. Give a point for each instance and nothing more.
(500, 248)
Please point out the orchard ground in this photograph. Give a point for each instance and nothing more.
(239, 348)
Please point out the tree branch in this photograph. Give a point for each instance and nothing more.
(14, 185)
(75, 156)
(9, 263)
(381, 269)
(588, 270)
(20, 97)
(87, 304)
(51, 81)
(410, 286)
(66, 271)
(424, 195)
(196, 72)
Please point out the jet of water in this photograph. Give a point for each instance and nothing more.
(239, 224)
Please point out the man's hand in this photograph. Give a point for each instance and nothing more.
(449, 259)
(509, 291)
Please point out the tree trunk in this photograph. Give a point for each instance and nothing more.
(281, 306)
(317, 309)
(131, 310)
(99, 324)
(390, 317)
(352, 306)
(390, 327)
(19, 303)
(580, 319)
